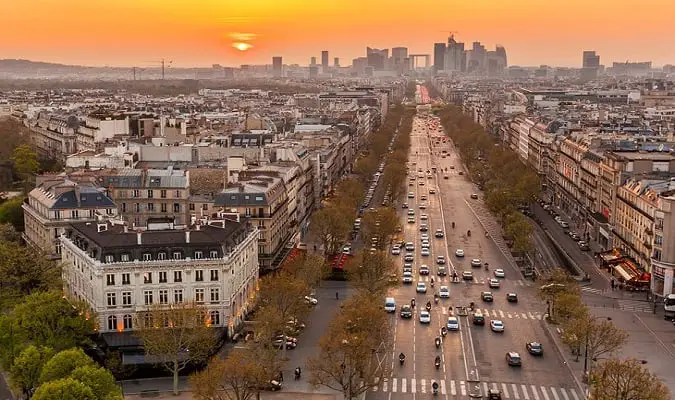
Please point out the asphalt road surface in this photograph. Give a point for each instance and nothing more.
(473, 358)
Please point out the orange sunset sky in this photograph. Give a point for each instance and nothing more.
(202, 32)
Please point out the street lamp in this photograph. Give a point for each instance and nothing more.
(586, 369)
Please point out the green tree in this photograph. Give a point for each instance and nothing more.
(365, 168)
(330, 225)
(238, 377)
(176, 336)
(64, 389)
(23, 272)
(350, 193)
(99, 380)
(10, 343)
(11, 212)
(394, 178)
(63, 363)
(27, 367)
(26, 164)
(372, 271)
(597, 336)
(626, 380)
(48, 319)
(519, 228)
(8, 233)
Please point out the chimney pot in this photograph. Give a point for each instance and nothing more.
(187, 236)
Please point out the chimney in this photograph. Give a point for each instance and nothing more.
(187, 236)
(139, 241)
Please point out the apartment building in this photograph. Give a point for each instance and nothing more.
(98, 128)
(120, 272)
(54, 135)
(143, 194)
(54, 204)
(263, 201)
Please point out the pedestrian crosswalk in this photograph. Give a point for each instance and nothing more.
(636, 306)
(591, 290)
(501, 314)
(446, 280)
(518, 391)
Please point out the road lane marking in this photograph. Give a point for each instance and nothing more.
(453, 389)
(531, 315)
(413, 385)
(555, 394)
(385, 382)
(534, 392)
(506, 391)
(539, 317)
(501, 313)
(515, 391)
(508, 314)
(423, 385)
(377, 380)
(527, 396)
(524, 315)
(564, 393)
(485, 388)
(574, 394)
(486, 312)
(462, 387)
(393, 385)
(404, 386)
(443, 386)
(543, 393)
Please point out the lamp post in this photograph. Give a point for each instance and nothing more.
(586, 365)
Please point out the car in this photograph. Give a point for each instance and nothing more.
(395, 250)
(411, 220)
(487, 296)
(444, 292)
(575, 236)
(452, 324)
(564, 224)
(440, 260)
(461, 172)
(407, 264)
(409, 257)
(441, 270)
(411, 212)
(424, 217)
(476, 263)
(406, 311)
(452, 167)
(424, 228)
(422, 207)
(496, 325)
(290, 344)
(513, 359)
(478, 318)
(459, 253)
(404, 205)
(424, 269)
(423, 197)
(432, 191)
(474, 196)
(407, 277)
(512, 297)
(467, 275)
(410, 246)
(411, 195)
(421, 287)
(426, 244)
(272, 385)
(425, 252)
(424, 236)
(425, 317)
(494, 283)
(535, 348)
(311, 300)
(347, 249)
(583, 246)
(499, 273)
(421, 183)
(445, 177)
(439, 233)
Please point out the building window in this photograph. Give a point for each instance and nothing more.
(199, 275)
(199, 254)
(162, 277)
(178, 276)
(110, 279)
(112, 299)
(124, 207)
(74, 214)
(137, 207)
(213, 254)
(215, 317)
(126, 299)
(177, 255)
(124, 257)
(192, 206)
(215, 295)
(128, 321)
(112, 322)
(135, 193)
(163, 206)
(147, 295)
(126, 278)
(214, 275)
(150, 194)
(109, 258)
(147, 256)
(178, 194)
(176, 207)
(151, 206)
(658, 240)
(205, 207)
(147, 277)
(199, 296)
(161, 255)
(178, 296)
(163, 296)
(147, 320)
(162, 194)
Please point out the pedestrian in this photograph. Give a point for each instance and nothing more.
(315, 248)
(337, 295)
(612, 284)
(281, 376)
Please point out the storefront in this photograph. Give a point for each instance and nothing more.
(625, 271)
(662, 283)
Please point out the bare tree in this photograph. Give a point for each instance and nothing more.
(371, 270)
(330, 225)
(175, 336)
(598, 336)
(238, 377)
(380, 224)
(626, 380)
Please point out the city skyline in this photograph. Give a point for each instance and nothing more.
(253, 32)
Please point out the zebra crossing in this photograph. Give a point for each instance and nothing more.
(501, 314)
(592, 290)
(636, 306)
(445, 280)
(515, 391)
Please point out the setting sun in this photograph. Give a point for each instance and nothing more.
(241, 46)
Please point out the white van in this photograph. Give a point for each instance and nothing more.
(389, 304)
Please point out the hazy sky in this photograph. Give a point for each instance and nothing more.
(202, 32)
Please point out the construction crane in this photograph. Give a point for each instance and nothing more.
(137, 70)
(164, 63)
(451, 34)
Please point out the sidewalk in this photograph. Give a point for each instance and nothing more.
(263, 395)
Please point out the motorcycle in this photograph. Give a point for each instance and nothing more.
(437, 341)
(487, 234)
(487, 266)
(434, 388)
(453, 225)
(436, 299)
(412, 303)
(471, 305)
(401, 358)
(468, 233)
(428, 306)
(437, 363)
(444, 331)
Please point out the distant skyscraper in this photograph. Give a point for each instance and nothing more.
(276, 67)
(590, 60)
(455, 56)
(324, 58)
(313, 71)
(336, 62)
(398, 58)
(312, 61)
(377, 58)
(439, 57)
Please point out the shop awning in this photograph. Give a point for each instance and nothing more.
(623, 273)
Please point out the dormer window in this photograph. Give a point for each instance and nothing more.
(147, 256)
(109, 258)
(199, 254)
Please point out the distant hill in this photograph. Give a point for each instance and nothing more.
(14, 65)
